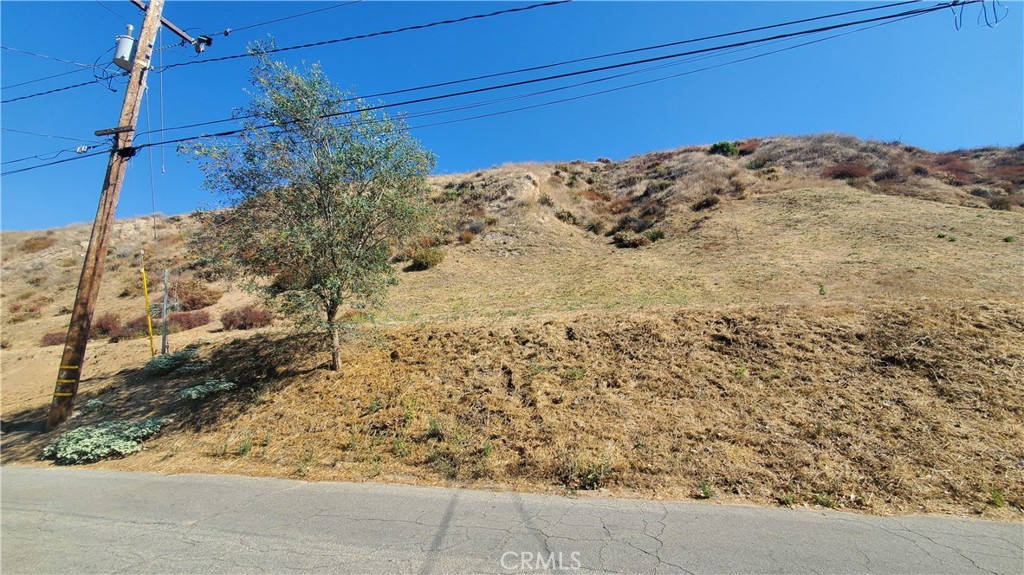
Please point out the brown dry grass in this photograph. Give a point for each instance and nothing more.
(800, 340)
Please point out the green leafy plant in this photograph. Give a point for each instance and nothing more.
(204, 390)
(996, 498)
(170, 362)
(706, 492)
(655, 234)
(1010, 239)
(724, 148)
(100, 441)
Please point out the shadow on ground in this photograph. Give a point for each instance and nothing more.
(255, 364)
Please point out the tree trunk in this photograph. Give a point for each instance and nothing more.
(332, 326)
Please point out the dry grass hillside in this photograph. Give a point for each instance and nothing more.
(816, 320)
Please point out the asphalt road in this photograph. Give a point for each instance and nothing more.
(60, 520)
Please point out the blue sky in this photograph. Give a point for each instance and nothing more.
(920, 80)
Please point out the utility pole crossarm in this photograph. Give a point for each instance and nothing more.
(199, 43)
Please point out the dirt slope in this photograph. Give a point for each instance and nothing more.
(820, 320)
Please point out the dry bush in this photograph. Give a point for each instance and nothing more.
(37, 244)
(53, 338)
(706, 203)
(466, 237)
(133, 287)
(846, 171)
(192, 294)
(566, 216)
(246, 317)
(747, 147)
(426, 258)
(136, 327)
(891, 174)
(628, 239)
(960, 171)
(107, 325)
(186, 320)
(1006, 202)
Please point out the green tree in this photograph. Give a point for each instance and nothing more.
(319, 189)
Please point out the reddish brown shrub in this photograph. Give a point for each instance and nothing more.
(106, 326)
(54, 338)
(193, 294)
(136, 327)
(36, 244)
(748, 147)
(186, 320)
(846, 171)
(246, 317)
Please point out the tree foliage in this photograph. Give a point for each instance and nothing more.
(320, 188)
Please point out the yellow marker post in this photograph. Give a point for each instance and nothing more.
(149, 316)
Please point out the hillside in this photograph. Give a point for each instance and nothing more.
(815, 320)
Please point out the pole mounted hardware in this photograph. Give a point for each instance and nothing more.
(199, 43)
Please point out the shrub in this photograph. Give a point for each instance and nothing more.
(1006, 202)
(426, 258)
(603, 160)
(37, 244)
(192, 295)
(758, 162)
(476, 227)
(890, 174)
(724, 148)
(94, 442)
(706, 203)
(186, 320)
(655, 234)
(545, 200)
(167, 363)
(246, 317)
(920, 171)
(846, 171)
(204, 390)
(566, 216)
(748, 147)
(106, 326)
(136, 327)
(54, 338)
(628, 239)
(466, 237)
(595, 226)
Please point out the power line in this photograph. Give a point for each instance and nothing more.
(46, 135)
(879, 21)
(44, 56)
(108, 9)
(51, 155)
(75, 71)
(229, 31)
(54, 91)
(65, 160)
(579, 60)
(372, 34)
(614, 66)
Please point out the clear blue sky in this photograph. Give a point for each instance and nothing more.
(921, 81)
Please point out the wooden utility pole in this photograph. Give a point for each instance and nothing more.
(70, 371)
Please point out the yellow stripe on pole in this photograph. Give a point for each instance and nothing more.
(62, 394)
(69, 367)
(65, 381)
(149, 316)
